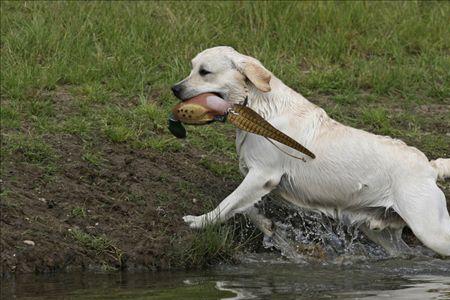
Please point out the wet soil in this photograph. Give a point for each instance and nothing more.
(132, 203)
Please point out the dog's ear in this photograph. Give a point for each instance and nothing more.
(258, 75)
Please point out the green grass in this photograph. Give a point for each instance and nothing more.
(28, 148)
(109, 55)
(79, 125)
(79, 212)
(218, 168)
(101, 245)
(104, 69)
(94, 158)
(378, 120)
(210, 245)
(135, 198)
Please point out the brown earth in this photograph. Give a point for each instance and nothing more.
(136, 199)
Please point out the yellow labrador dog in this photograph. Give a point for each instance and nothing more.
(375, 181)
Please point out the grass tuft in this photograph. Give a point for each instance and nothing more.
(94, 158)
(30, 149)
(78, 212)
(378, 121)
(221, 169)
(101, 245)
(210, 245)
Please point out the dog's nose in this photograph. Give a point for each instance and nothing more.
(176, 89)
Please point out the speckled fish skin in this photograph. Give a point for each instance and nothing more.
(247, 119)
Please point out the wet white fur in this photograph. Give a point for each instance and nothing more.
(356, 174)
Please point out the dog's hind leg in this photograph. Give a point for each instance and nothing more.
(260, 221)
(423, 207)
(388, 238)
(274, 235)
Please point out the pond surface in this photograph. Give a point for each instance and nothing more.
(257, 277)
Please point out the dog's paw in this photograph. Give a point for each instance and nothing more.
(193, 221)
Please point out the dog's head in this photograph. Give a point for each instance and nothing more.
(224, 72)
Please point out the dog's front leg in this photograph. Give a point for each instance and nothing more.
(254, 186)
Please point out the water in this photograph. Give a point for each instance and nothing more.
(262, 276)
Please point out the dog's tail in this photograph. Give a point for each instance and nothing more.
(442, 167)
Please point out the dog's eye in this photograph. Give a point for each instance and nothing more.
(204, 72)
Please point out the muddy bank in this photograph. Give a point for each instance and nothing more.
(125, 212)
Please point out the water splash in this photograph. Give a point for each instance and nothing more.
(305, 236)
